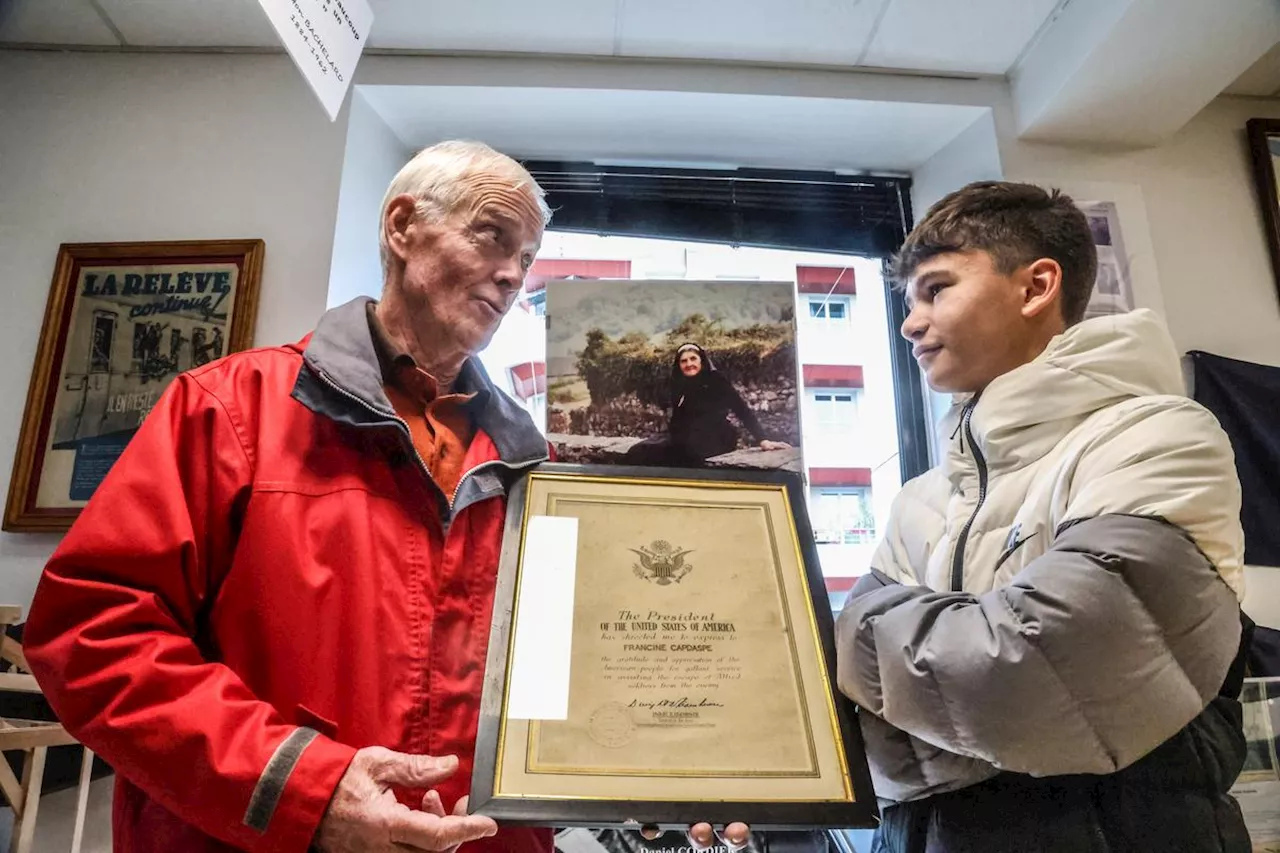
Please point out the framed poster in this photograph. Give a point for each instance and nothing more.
(1264, 145)
(122, 320)
(1113, 287)
(662, 653)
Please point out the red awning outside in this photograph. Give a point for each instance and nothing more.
(833, 376)
(839, 584)
(840, 476)
(544, 270)
(529, 378)
(826, 280)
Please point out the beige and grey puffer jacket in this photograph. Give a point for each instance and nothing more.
(1060, 596)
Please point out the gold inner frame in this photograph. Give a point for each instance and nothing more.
(776, 492)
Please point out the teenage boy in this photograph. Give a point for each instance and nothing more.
(1047, 653)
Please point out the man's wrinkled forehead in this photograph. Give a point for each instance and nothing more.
(487, 192)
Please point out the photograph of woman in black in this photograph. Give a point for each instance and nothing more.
(701, 400)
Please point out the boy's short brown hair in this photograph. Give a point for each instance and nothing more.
(1016, 224)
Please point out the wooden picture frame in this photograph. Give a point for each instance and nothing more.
(1264, 149)
(592, 788)
(122, 320)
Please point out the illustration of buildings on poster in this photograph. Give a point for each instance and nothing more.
(131, 331)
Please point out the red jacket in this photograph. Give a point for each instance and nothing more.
(268, 580)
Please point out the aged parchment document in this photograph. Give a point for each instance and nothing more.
(695, 655)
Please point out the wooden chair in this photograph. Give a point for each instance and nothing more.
(33, 738)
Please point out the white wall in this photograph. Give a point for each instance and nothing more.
(374, 155)
(98, 147)
(974, 155)
(1208, 260)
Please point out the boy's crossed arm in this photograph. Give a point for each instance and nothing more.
(1100, 649)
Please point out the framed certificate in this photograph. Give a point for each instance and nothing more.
(662, 653)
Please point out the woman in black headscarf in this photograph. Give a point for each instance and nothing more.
(701, 400)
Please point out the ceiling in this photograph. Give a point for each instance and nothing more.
(941, 36)
(676, 128)
(1262, 80)
(1125, 73)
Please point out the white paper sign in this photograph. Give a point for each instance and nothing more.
(325, 39)
(539, 682)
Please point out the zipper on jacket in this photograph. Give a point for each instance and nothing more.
(492, 463)
(425, 680)
(421, 464)
(957, 558)
(404, 427)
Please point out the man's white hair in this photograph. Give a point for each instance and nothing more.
(438, 177)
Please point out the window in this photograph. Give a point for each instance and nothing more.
(146, 345)
(175, 345)
(842, 516)
(833, 230)
(538, 302)
(827, 233)
(104, 336)
(833, 309)
(835, 409)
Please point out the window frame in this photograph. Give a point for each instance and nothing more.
(826, 302)
(865, 534)
(833, 424)
(865, 215)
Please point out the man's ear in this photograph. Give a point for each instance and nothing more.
(1041, 287)
(401, 212)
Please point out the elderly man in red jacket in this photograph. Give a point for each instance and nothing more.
(272, 617)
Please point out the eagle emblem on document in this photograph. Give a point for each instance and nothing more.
(662, 563)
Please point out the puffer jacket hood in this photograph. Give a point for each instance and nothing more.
(1093, 365)
(1107, 395)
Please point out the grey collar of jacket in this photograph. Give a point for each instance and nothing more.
(342, 380)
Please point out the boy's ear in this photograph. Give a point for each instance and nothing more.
(1042, 286)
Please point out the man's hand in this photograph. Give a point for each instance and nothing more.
(365, 817)
(774, 445)
(735, 836)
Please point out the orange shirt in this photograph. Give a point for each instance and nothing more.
(439, 424)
